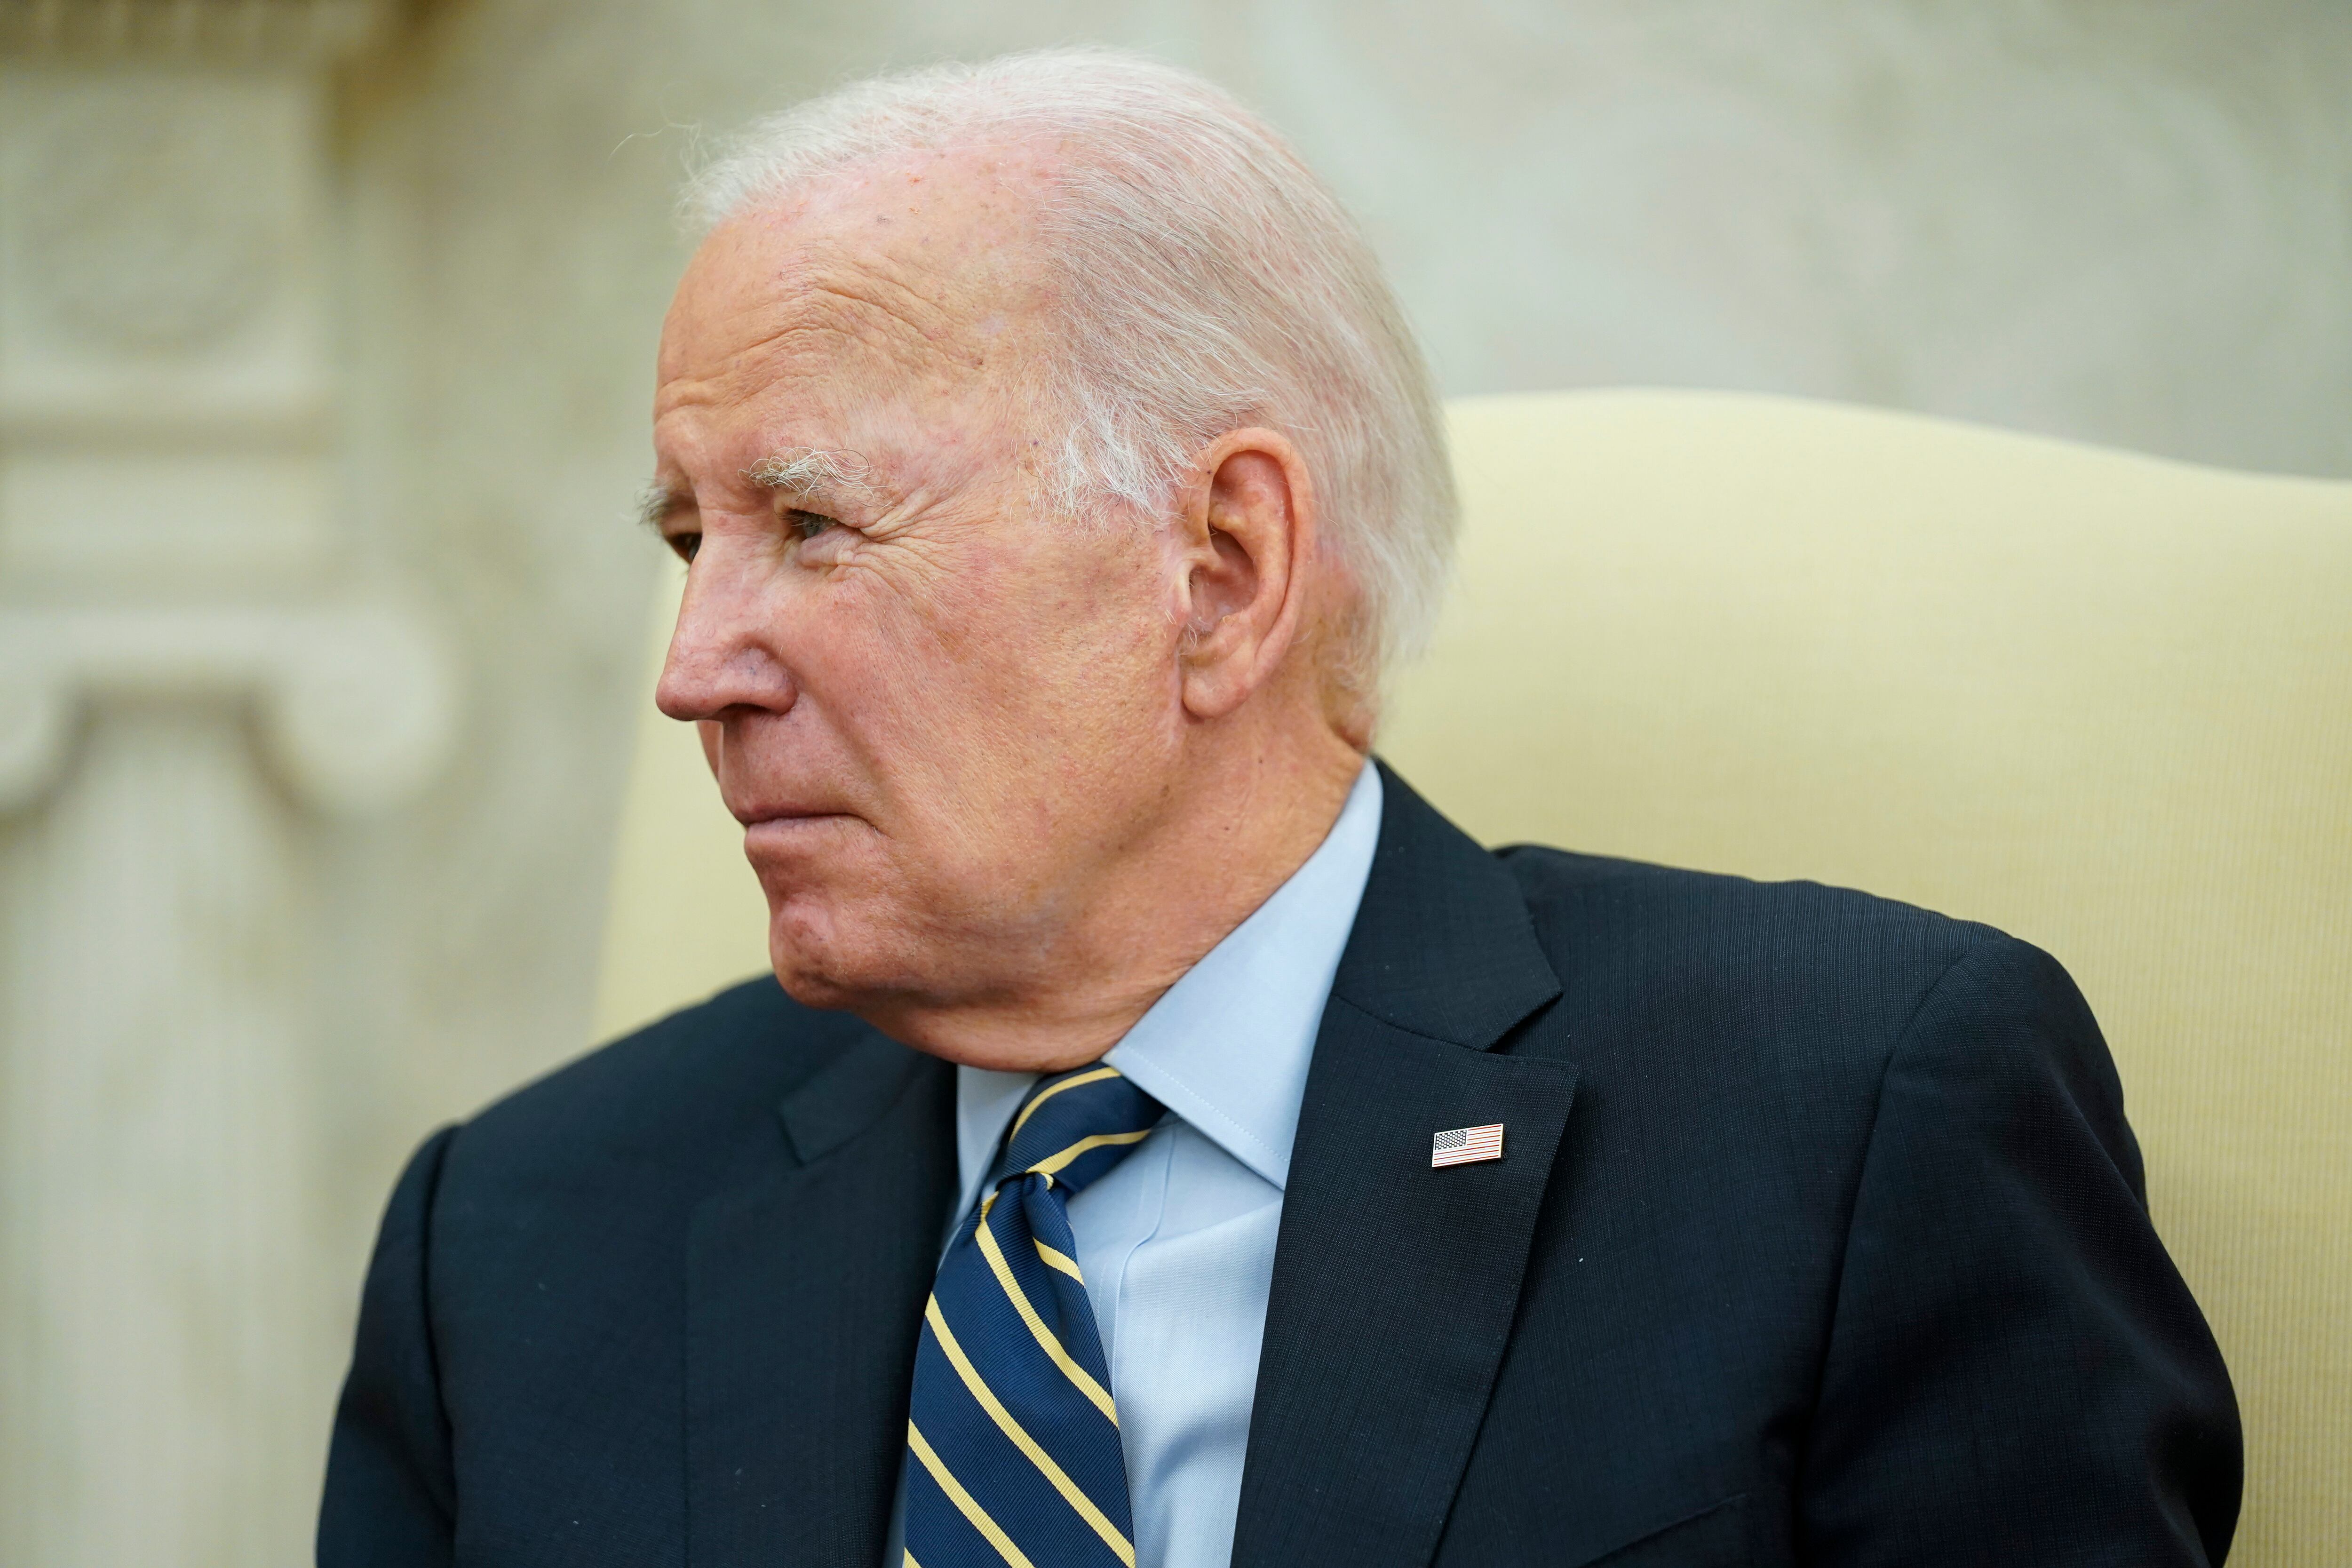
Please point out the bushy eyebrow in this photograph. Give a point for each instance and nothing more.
(803, 474)
(657, 502)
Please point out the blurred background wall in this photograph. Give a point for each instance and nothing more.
(325, 342)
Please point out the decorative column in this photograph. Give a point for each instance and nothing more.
(200, 675)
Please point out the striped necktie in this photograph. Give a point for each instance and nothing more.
(1012, 1434)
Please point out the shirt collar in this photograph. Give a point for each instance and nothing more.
(1226, 1046)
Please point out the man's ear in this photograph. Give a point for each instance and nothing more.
(1246, 533)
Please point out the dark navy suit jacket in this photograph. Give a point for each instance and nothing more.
(1819, 1238)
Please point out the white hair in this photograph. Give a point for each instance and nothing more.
(1207, 281)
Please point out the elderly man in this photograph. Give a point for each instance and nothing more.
(1172, 1143)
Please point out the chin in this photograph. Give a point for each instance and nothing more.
(813, 989)
(804, 951)
(821, 961)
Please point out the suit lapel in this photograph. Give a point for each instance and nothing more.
(806, 1285)
(1394, 1284)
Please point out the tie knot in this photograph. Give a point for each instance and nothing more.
(1075, 1126)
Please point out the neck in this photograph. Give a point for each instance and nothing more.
(1250, 811)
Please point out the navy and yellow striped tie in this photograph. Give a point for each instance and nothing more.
(1013, 1438)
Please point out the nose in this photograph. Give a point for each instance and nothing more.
(722, 659)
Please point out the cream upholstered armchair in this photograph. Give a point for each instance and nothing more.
(2100, 700)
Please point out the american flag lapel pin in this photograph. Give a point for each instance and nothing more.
(1467, 1145)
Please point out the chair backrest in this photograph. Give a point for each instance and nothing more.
(2101, 700)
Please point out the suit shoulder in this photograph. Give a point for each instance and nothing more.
(1786, 1007)
(666, 1093)
(1565, 888)
(1842, 970)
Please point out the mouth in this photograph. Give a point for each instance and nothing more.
(774, 828)
(762, 816)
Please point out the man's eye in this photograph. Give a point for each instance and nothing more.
(807, 525)
(685, 545)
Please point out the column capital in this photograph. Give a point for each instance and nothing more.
(357, 702)
(168, 528)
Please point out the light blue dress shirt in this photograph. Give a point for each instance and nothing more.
(1177, 1242)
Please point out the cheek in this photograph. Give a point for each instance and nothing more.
(1069, 640)
(1117, 636)
(906, 699)
(1090, 703)
(1015, 694)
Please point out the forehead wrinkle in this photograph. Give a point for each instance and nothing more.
(918, 315)
(822, 320)
(816, 337)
